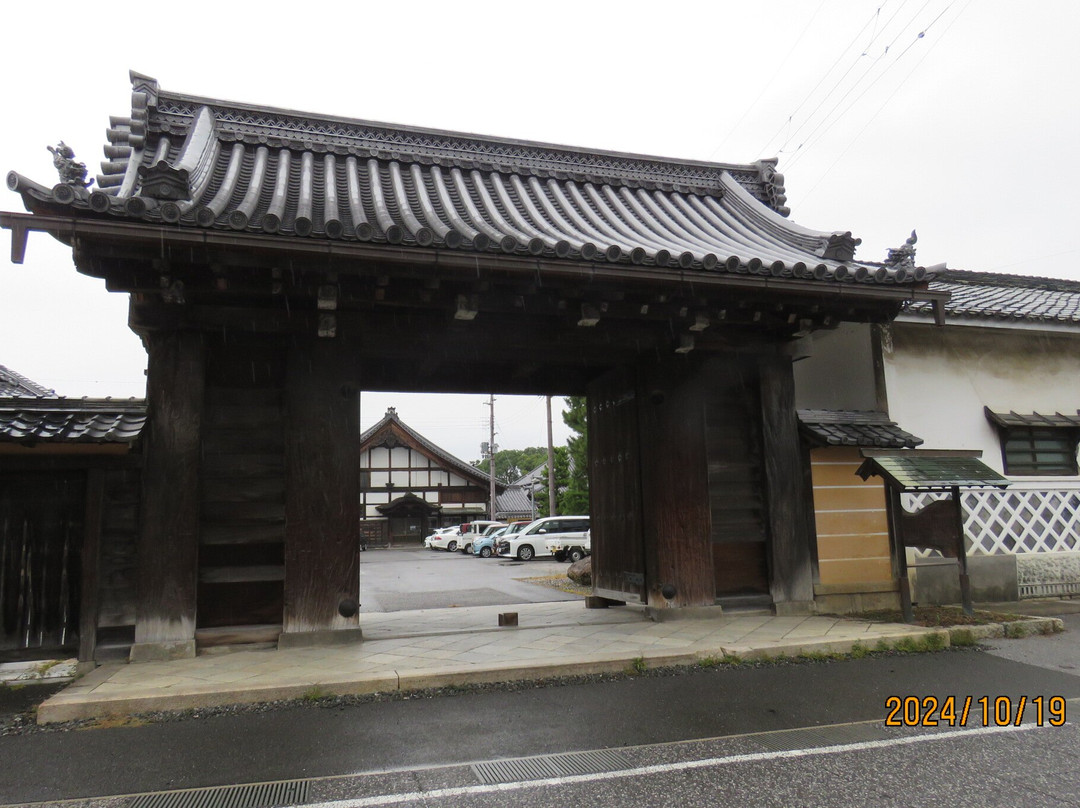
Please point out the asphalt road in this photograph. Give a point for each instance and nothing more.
(399, 580)
(422, 742)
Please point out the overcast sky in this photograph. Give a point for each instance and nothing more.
(958, 119)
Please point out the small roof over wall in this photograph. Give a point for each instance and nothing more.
(854, 428)
(998, 299)
(930, 470)
(1032, 420)
(31, 421)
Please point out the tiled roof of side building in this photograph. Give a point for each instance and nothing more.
(514, 500)
(862, 428)
(71, 420)
(1003, 298)
(15, 384)
(216, 165)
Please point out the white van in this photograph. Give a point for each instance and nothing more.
(532, 540)
(474, 530)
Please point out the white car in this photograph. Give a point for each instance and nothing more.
(532, 540)
(445, 538)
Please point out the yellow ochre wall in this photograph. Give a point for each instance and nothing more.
(854, 564)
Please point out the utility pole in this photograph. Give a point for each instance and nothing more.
(491, 457)
(552, 493)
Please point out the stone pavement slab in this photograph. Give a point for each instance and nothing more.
(443, 647)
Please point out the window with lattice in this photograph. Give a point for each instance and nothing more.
(1047, 451)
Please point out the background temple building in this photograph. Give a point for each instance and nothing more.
(409, 486)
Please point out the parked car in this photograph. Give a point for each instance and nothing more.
(484, 547)
(565, 548)
(470, 531)
(445, 538)
(531, 541)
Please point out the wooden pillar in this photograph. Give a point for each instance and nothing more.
(91, 566)
(169, 536)
(791, 568)
(322, 501)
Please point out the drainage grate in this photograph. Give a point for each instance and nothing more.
(811, 737)
(544, 766)
(258, 795)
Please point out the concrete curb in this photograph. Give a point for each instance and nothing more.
(73, 705)
(81, 702)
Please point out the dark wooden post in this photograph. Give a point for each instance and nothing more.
(961, 553)
(894, 509)
(322, 503)
(791, 567)
(91, 561)
(168, 540)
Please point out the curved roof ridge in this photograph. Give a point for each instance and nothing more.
(320, 132)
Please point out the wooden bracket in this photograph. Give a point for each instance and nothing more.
(18, 242)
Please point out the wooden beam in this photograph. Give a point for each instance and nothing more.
(169, 536)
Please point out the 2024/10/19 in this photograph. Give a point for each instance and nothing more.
(929, 711)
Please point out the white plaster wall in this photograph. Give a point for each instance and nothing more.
(938, 380)
(1048, 568)
(837, 372)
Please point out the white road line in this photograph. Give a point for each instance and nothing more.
(664, 768)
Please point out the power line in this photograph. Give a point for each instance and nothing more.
(806, 140)
(768, 84)
(896, 90)
(821, 81)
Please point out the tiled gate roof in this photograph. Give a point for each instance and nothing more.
(201, 163)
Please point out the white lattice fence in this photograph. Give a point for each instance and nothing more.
(1015, 520)
(1021, 522)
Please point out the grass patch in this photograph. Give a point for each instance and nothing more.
(963, 638)
(718, 661)
(937, 617)
(638, 666)
(820, 656)
(114, 722)
(315, 694)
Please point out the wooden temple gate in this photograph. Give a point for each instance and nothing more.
(279, 264)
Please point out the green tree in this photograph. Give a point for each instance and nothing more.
(512, 464)
(562, 480)
(575, 499)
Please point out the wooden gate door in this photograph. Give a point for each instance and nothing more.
(736, 483)
(615, 486)
(41, 536)
(242, 531)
